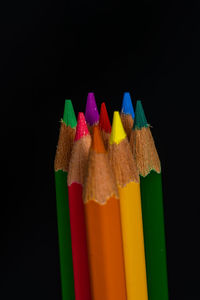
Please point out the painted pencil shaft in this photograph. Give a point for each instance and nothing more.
(64, 236)
(132, 229)
(79, 242)
(105, 250)
(154, 235)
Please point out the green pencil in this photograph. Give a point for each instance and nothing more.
(61, 164)
(148, 164)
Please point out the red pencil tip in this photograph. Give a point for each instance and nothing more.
(104, 122)
(81, 128)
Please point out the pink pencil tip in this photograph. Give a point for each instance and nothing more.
(81, 128)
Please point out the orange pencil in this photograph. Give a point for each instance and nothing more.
(103, 225)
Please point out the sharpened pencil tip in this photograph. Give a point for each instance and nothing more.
(97, 142)
(127, 106)
(117, 132)
(91, 111)
(140, 119)
(81, 128)
(104, 122)
(69, 116)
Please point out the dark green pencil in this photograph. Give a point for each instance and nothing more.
(148, 164)
(61, 163)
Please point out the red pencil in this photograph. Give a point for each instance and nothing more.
(76, 175)
(104, 125)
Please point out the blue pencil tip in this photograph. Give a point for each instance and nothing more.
(127, 106)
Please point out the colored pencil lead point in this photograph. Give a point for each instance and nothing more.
(91, 111)
(81, 129)
(140, 119)
(104, 122)
(97, 142)
(127, 106)
(69, 116)
(117, 133)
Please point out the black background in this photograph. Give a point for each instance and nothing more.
(51, 51)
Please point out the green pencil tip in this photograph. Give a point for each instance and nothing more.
(140, 119)
(69, 116)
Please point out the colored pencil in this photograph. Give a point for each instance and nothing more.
(127, 178)
(91, 112)
(149, 167)
(76, 175)
(127, 114)
(104, 236)
(104, 125)
(61, 164)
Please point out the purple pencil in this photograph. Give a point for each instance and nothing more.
(91, 111)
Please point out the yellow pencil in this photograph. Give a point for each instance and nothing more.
(127, 178)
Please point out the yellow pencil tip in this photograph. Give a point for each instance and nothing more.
(117, 132)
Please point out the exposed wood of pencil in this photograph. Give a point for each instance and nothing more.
(105, 137)
(103, 226)
(144, 151)
(127, 122)
(64, 147)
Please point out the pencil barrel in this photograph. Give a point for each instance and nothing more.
(79, 243)
(154, 236)
(64, 236)
(105, 250)
(133, 241)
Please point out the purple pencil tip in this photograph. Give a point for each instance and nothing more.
(91, 111)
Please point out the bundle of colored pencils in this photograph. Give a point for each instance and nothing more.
(109, 205)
